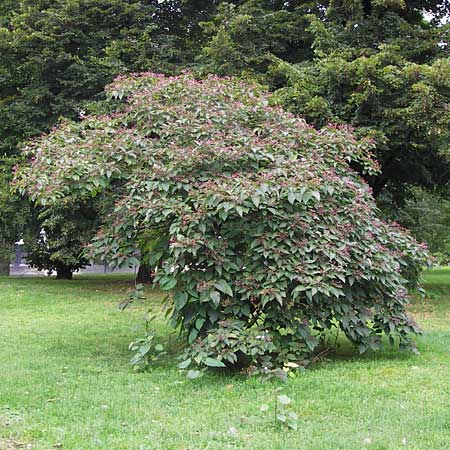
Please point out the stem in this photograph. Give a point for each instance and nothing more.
(276, 408)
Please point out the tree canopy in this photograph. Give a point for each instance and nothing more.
(402, 105)
(378, 65)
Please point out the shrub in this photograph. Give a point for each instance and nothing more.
(146, 351)
(257, 221)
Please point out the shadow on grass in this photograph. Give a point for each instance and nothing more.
(110, 344)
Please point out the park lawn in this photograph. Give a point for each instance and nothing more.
(65, 382)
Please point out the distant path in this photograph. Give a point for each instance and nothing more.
(26, 271)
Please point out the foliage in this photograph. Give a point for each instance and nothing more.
(240, 38)
(378, 66)
(283, 413)
(427, 216)
(13, 214)
(134, 294)
(259, 217)
(58, 56)
(56, 59)
(230, 344)
(401, 104)
(146, 351)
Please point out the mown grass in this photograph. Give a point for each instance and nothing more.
(65, 382)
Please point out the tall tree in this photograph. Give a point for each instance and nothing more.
(55, 55)
(240, 38)
(56, 58)
(57, 243)
(378, 66)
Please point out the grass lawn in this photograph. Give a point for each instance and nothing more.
(65, 382)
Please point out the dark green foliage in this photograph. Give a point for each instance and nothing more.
(375, 65)
(57, 54)
(387, 75)
(13, 214)
(241, 39)
(256, 220)
(402, 105)
(427, 216)
(230, 344)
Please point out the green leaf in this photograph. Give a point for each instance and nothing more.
(292, 424)
(167, 283)
(224, 287)
(215, 297)
(180, 299)
(185, 364)
(192, 335)
(213, 362)
(255, 200)
(291, 198)
(199, 323)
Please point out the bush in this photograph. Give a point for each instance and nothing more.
(256, 220)
(427, 216)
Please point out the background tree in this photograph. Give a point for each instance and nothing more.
(402, 105)
(56, 59)
(427, 215)
(378, 66)
(14, 215)
(57, 244)
(240, 38)
(58, 56)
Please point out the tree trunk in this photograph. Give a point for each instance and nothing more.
(64, 273)
(367, 7)
(144, 274)
(4, 268)
(377, 183)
